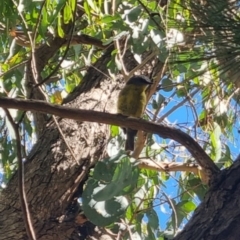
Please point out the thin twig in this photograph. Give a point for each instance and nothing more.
(64, 139)
(164, 68)
(168, 166)
(194, 114)
(38, 23)
(177, 106)
(150, 15)
(21, 15)
(120, 58)
(21, 188)
(148, 58)
(104, 74)
(174, 211)
(65, 53)
(35, 71)
(13, 67)
(117, 46)
(130, 232)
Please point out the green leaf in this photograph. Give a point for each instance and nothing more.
(59, 28)
(197, 187)
(72, 4)
(187, 206)
(123, 180)
(144, 28)
(157, 37)
(87, 9)
(103, 171)
(109, 18)
(150, 233)
(158, 101)
(153, 221)
(102, 213)
(167, 85)
(133, 14)
(216, 142)
(104, 193)
(114, 130)
(67, 16)
(93, 5)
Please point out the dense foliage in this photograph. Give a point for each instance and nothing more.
(196, 91)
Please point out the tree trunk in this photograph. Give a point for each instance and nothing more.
(218, 216)
(53, 177)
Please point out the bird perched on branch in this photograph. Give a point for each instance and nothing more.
(132, 101)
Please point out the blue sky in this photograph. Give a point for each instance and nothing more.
(185, 116)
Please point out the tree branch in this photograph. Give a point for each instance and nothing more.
(163, 131)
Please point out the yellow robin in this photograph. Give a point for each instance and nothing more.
(132, 101)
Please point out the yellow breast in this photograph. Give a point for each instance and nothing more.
(132, 101)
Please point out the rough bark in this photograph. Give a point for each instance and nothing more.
(218, 216)
(51, 172)
(52, 175)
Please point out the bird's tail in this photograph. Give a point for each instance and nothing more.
(129, 145)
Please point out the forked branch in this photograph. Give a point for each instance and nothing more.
(209, 167)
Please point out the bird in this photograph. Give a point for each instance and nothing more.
(132, 101)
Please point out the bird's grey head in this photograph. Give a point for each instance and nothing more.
(139, 80)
